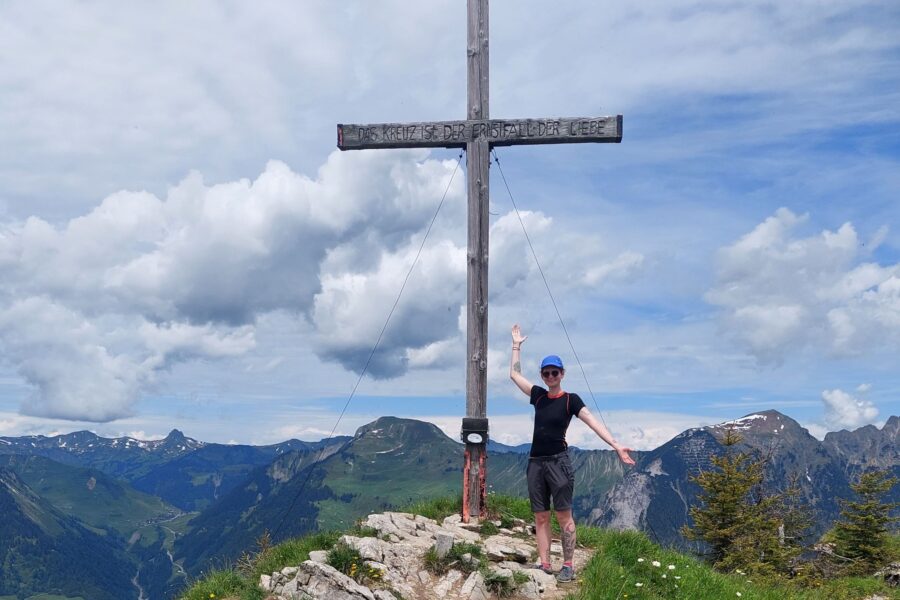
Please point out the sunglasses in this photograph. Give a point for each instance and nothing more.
(553, 373)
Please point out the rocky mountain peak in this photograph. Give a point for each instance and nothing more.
(866, 447)
(175, 437)
(77, 438)
(762, 424)
(401, 431)
(174, 443)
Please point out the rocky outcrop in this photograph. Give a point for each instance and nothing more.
(396, 556)
(866, 448)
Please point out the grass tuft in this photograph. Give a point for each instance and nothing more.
(488, 528)
(223, 584)
(437, 509)
(500, 585)
(456, 558)
(508, 508)
(290, 553)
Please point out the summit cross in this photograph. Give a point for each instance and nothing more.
(478, 134)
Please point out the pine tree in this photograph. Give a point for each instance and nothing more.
(796, 517)
(861, 534)
(736, 519)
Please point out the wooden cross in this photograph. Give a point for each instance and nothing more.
(478, 134)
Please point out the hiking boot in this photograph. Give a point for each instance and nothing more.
(566, 574)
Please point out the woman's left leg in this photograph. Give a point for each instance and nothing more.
(567, 528)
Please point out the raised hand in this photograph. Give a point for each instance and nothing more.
(517, 336)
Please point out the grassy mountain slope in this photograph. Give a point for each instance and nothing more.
(233, 523)
(45, 551)
(89, 495)
(141, 526)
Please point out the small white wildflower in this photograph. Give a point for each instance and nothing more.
(655, 563)
(671, 567)
(678, 577)
(738, 593)
(640, 560)
(639, 584)
(664, 575)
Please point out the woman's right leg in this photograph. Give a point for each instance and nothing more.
(539, 494)
(542, 534)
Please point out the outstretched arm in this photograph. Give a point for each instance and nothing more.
(515, 363)
(585, 415)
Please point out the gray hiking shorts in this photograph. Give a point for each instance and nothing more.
(550, 477)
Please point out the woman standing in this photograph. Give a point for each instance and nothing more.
(550, 474)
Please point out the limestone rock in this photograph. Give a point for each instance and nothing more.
(397, 554)
(319, 581)
(443, 542)
(501, 571)
(504, 547)
(473, 588)
(452, 520)
(369, 548)
(447, 582)
(890, 574)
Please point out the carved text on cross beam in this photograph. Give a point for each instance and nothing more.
(498, 132)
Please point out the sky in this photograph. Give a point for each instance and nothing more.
(183, 246)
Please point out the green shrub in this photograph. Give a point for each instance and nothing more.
(344, 558)
(348, 561)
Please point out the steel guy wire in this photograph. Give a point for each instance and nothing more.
(547, 285)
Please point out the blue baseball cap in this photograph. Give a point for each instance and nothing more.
(552, 361)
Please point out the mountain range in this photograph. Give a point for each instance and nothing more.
(159, 512)
(656, 495)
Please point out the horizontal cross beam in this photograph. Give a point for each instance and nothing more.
(498, 132)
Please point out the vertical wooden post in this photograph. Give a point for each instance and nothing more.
(478, 163)
(475, 132)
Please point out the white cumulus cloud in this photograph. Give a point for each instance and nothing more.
(777, 292)
(94, 308)
(846, 411)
